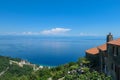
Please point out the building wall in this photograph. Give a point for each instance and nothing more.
(107, 61)
(94, 60)
(113, 61)
(103, 60)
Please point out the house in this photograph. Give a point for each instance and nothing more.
(106, 58)
(95, 55)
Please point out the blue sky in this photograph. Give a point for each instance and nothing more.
(60, 17)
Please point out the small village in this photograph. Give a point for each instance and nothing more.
(23, 62)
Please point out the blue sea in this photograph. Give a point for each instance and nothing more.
(49, 51)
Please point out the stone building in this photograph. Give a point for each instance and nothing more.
(106, 58)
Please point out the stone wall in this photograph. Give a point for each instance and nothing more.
(94, 60)
(113, 61)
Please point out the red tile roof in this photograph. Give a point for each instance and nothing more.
(115, 42)
(92, 51)
(96, 49)
(103, 47)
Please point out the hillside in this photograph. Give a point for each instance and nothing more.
(79, 70)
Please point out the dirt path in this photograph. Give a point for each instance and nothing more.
(4, 71)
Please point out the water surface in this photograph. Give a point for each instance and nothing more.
(50, 51)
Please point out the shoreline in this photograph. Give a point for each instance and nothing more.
(21, 59)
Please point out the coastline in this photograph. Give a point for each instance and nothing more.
(23, 61)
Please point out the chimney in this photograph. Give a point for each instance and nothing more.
(109, 37)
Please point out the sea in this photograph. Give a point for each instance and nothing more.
(47, 51)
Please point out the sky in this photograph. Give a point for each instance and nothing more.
(60, 17)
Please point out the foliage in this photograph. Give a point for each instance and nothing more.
(71, 71)
(4, 63)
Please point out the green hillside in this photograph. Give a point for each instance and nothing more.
(71, 71)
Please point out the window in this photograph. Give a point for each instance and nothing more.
(115, 68)
(117, 72)
(109, 49)
(117, 51)
(113, 50)
(112, 66)
(105, 69)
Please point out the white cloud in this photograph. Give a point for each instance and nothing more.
(21, 33)
(55, 31)
(27, 33)
(30, 33)
(87, 34)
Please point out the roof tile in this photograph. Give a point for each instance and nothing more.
(92, 51)
(115, 42)
(103, 47)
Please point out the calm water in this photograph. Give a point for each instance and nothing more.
(50, 51)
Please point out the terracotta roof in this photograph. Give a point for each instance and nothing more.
(92, 51)
(96, 49)
(103, 47)
(115, 42)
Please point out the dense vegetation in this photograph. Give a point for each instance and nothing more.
(72, 71)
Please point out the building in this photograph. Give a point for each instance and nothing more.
(106, 58)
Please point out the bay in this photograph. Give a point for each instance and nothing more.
(49, 51)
